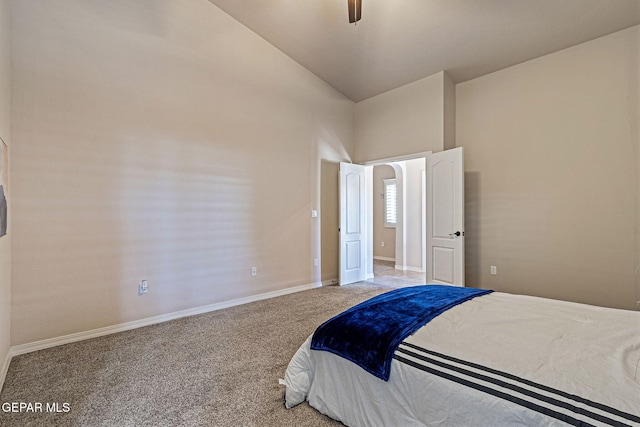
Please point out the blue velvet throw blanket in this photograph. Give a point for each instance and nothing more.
(369, 333)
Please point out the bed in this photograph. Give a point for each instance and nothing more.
(494, 359)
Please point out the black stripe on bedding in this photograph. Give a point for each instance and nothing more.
(533, 405)
(596, 405)
(479, 387)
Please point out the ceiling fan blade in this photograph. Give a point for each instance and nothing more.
(355, 10)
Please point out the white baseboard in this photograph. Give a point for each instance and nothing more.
(4, 368)
(94, 333)
(384, 258)
(409, 268)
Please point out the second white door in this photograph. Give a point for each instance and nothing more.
(445, 217)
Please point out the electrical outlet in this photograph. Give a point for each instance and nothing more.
(638, 303)
(494, 270)
(382, 244)
(254, 271)
(143, 287)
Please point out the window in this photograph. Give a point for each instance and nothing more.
(390, 211)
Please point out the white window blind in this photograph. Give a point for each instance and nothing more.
(390, 204)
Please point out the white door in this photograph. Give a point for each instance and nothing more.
(445, 217)
(352, 224)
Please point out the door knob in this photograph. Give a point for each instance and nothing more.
(456, 234)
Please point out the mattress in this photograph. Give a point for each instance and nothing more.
(496, 360)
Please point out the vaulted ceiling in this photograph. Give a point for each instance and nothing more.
(400, 41)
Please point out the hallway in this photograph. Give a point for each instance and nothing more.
(386, 274)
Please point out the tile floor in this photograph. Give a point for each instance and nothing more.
(386, 274)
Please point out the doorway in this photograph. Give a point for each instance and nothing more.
(398, 214)
(356, 217)
(440, 215)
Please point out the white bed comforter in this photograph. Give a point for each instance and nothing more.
(495, 360)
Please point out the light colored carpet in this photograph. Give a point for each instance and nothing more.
(215, 369)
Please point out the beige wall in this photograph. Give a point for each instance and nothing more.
(144, 147)
(159, 140)
(551, 173)
(449, 108)
(380, 232)
(403, 121)
(5, 241)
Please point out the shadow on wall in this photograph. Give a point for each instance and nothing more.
(186, 214)
(472, 214)
(329, 208)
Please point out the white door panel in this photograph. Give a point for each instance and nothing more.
(445, 217)
(352, 224)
